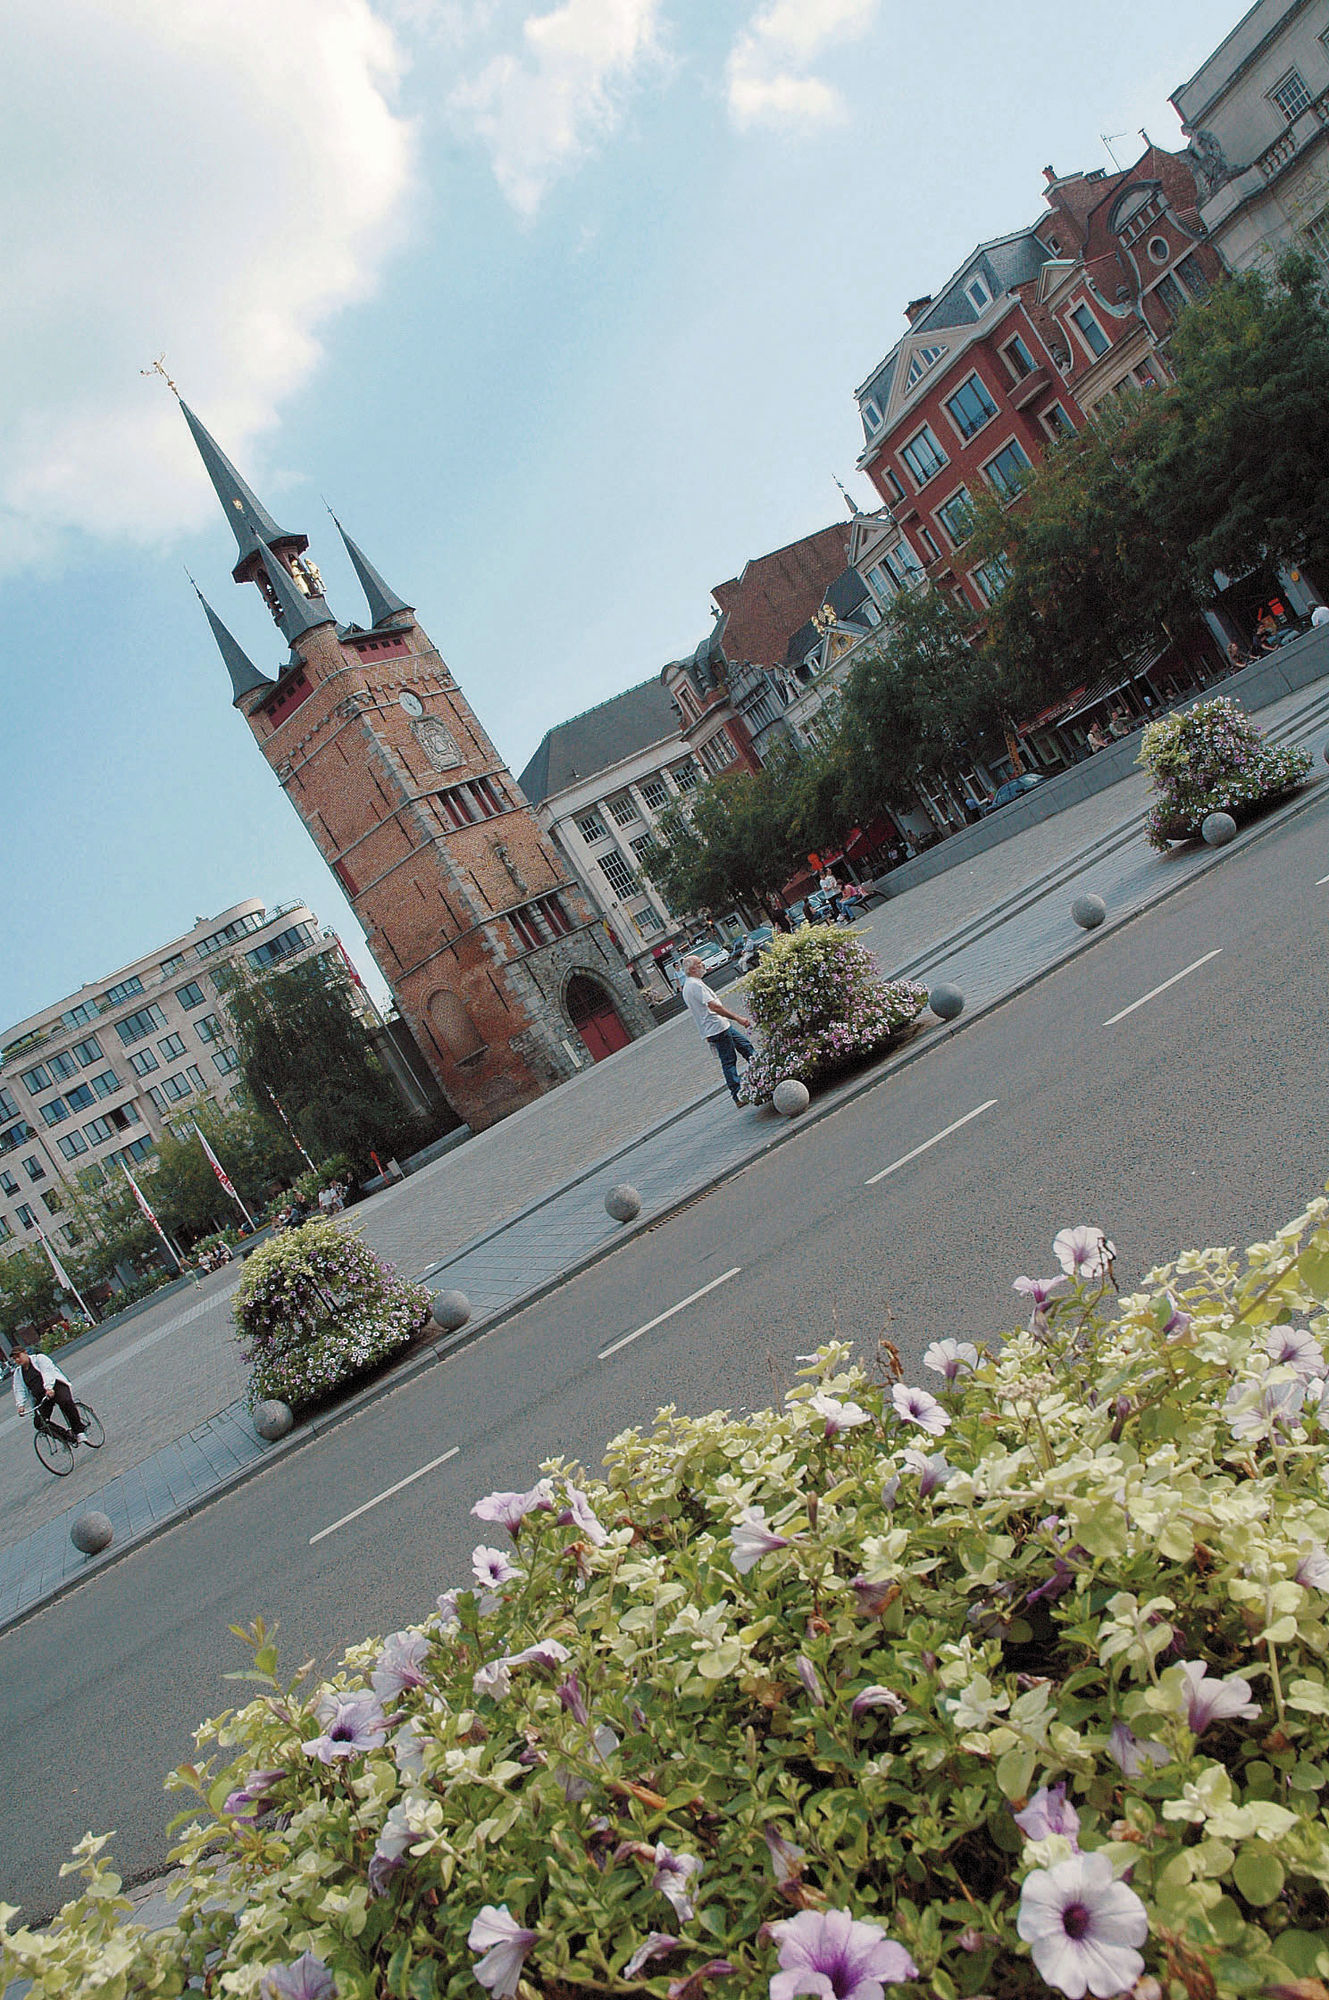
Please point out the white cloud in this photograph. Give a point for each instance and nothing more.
(215, 179)
(766, 76)
(541, 110)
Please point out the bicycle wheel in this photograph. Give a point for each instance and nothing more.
(54, 1448)
(93, 1434)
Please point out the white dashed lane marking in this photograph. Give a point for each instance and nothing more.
(386, 1494)
(927, 1144)
(660, 1318)
(1154, 992)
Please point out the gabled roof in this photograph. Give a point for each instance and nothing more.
(600, 737)
(777, 593)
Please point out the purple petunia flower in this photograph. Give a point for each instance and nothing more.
(1083, 1927)
(307, 1979)
(839, 1415)
(580, 1514)
(400, 1664)
(573, 1700)
(950, 1357)
(832, 1954)
(509, 1510)
(492, 1679)
(872, 1598)
(544, 1653)
(673, 1873)
(875, 1697)
(1313, 1568)
(448, 1614)
(1177, 1322)
(1049, 1812)
(786, 1859)
(389, 1854)
(1084, 1252)
(1131, 1753)
(752, 1539)
(807, 1673)
(490, 1567)
(1214, 1700)
(252, 1797)
(1041, 1290)
(917, 1406)
(1277, 1407)
(1295, 1348)
(352, 1724)
(506, 1947)
(933, 1472)
(658, 1944)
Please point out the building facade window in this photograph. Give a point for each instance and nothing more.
(207, 1028)
(1008, 470)
(284, 945)
(1291, 95)
(71, 1144)
(124, 991)
(143, 1062)
(684, 775)
(35, 1080)
(1056, 422)
(55, 1111)
(80, 1097)
(8, 1104)
(923, 456)
(1091, 333)
(971, 407)
(26, 1216)
(1316, 237)
(135, 1026)
(956, 515)
(88, 1052)
(242, 927)
(929, 541)
(623, 810)
(105, 1083)
(717, 752)
(991, 578)
(225, 1061)
(173, 963)
(171, 1046)
(591, 828)
(871, 415)
(51, 1201)
(78, 1017)
(1170, 296)
(1192, 275)
(656, 793)
(557, 915)
(8, 1184)
(618, 874)
(136, 1150)
(62, 1066)
(33, 1168)
(1018, 359)
(191, 995)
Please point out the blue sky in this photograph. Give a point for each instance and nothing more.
(559, 303)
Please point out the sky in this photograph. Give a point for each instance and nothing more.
(560, 304)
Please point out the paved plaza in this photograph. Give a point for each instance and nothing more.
(516, 1209)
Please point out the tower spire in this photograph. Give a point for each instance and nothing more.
(295, 612)
(245, 676)
(250, 520)
(383, 602)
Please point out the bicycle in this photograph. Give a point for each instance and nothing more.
(54, 1445)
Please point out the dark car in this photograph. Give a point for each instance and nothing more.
(1014, 788)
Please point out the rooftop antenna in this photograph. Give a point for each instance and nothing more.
(159, 368)
(1107, 138)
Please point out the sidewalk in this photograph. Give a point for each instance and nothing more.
(520, 1208)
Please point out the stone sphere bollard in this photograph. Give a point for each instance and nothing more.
(1218, 830)
(1088, 912)
(273, 1419)
(91, 1533)
(450, 1311)
(946, 1002)
(622, 1202)
(1326, 753)
(790, 1097)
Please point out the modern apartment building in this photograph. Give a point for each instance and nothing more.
(95, 1078)
(1257, 115)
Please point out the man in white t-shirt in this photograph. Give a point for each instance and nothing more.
(711, 1016)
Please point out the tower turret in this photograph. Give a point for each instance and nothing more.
(295, 611)
(383, 603)
(245, 676)
(250, 520)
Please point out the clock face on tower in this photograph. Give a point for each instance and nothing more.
(411, 704)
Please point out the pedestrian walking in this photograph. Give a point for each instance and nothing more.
(711, 1016)
(39, 1385)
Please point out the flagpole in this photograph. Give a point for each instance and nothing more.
(290, 1128)
(63, 1279)
(151, 1216)
(220, 1172)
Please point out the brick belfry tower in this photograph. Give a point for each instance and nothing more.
(494, 957)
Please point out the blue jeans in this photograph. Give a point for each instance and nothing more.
(729, 1045)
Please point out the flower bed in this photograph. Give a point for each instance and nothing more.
(316, 1308)
(821, 1003)
(1211, 758)
(1015, 1684)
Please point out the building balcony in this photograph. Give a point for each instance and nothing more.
(1030, 387)
(1301, 133)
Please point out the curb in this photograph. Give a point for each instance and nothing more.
(434, 1353)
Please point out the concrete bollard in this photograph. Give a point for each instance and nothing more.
(273, 1419)
(1218, 829)
(1088, 912)
(790, 1097)
(91, 1533)
(622, 1202)
(946, 1002)
(450, 1311)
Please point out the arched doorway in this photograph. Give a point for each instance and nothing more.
(593, 1014)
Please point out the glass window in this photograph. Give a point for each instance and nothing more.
(1091, 332)
(71, 1144)
(80, 1097)
(172, 964)
(105, 1083)
(1171, 297)
(623, 810)
(26, 1217)
(1056, 422)
(618, 874)
(62, 1065)
(871, 415)
(225, 1061)
(684, 776)
(33, 1168)
(971, 407)
(206, 1028)
(143, 1062)
(55, 1111)
(138, 1149)
(5, 1231)
(86, 1010)
(36, 1079)
(1192, 276)
(284, 945)
(923, 455)
(191, 995)
(1018, 358)
(1291, 95)
(1316, 237)
(97, 1130)
(929, 541)
(717, 752)
(171, 1046)
(51, 1201)
(978, 295)
(885, 585)
(240, 928)
(956, 515)
(8, 1104)
(656, 793)
(135, 1026)
(124, 991)
(992, 577)
(88, 1052)
(195, 1075)
(1009, 468)
(8, 1185)
(591, 828)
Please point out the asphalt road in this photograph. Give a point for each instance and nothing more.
(1198, 1116)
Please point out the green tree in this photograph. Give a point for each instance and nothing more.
(109, 1228)
(303, 1048)
(184, 1191)
(736, 841)
(1240, 470)
(29, 1295)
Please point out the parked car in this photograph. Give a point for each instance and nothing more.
(711, 954)
(1014, 788)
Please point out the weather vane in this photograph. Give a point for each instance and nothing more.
(159, 368)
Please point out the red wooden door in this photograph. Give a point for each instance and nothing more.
(603, 1033)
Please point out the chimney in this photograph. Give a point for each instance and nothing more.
(917, 306)
(1050, 176)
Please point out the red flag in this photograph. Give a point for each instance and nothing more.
(217, 1167)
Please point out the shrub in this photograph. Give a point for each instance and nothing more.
(1034, 1665)
(1211, 758)
(821, 1003)
(316, 1307)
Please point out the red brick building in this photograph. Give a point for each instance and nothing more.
(1031, 332)
(497, 963)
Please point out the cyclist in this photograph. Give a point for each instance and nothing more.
(39, 1385)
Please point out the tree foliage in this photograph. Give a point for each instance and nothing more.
(258, 1157)
(920, 698)
(735, 841)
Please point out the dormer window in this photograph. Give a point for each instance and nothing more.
(978, 295)
(923, 359)
(871, 415)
